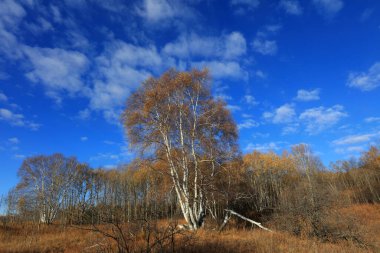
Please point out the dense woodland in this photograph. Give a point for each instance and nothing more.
(190, 170)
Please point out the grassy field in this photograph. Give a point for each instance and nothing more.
(27, 238)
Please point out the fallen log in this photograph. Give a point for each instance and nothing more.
(231, 212)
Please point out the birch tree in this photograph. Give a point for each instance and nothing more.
(46, 181)
(175, 120)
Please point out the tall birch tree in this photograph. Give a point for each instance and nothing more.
(175, 120)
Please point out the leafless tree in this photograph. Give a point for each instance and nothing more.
(46, 181)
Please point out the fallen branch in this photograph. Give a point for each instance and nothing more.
(244, 218)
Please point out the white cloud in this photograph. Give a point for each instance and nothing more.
(194, 45)
(220, 91)
(58, 70)
(291, 7)
(39, 26)
(84, 114)
(124, 53)
(372, 119)
(14, 140)
(353, 139)
(223, 69)
(260, 74)
(222, 96)
(329, 8)
(291, 128)
(265, 147)
(270, 29)
(366, 81)
(228, 46)
(233, 108)
(110, 142)
(12, 118)
(104, 156)
(366, 14)
(3, 75)
(242, 6)
(118, 70)
(260, 135)
(320, 118)
(235, 45)
(350, 150)
(16, 119)
(283, 114)
(308, 95)
(11, 14)
(84, 138)
(264, 46)
(3, 98)
(247, 124)
(19, 156)
(250, 100)
(156, 11)
(355, 149)
(253, 3)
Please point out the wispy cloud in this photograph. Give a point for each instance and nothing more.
(250, 100)
(11, 14)
(372, 119)
(155, 11)
(84, 138)
(17, 119)
(104, 156)
(350, 150)
(14, 140)
(233, 108)
(283, 114)
(320, 118)
(228, 46)
(365, 81)
(264, 147)
(223, 69)
(366, 14)
(264, 46)
(308, 95)
(260, 74)
(262, 43)
(118, 70)
(354, 139)
(328, 8)
(3, 98)
(247, 124)
(291, 7)
(243, 6)
(19, 156)
(57, 69)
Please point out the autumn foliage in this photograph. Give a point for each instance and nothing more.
(190, 170)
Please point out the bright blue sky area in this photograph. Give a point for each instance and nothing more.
(291, 72)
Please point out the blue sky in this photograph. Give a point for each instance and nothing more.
(290, 71)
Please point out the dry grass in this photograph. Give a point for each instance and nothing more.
(261, 241)
(27, 238)
(368, 219)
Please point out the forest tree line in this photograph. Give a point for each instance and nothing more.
(288, 188)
